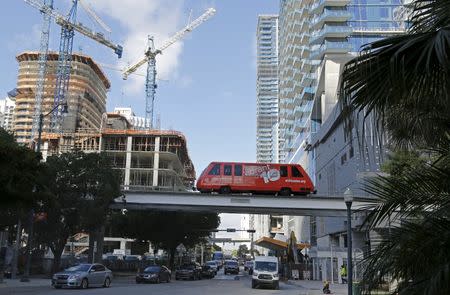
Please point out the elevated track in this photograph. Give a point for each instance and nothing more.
(313, 205)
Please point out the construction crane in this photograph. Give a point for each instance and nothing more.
(68, 27)
(47, 5)
(150, 59)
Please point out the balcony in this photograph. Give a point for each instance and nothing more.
(306, 107)
(331, 47)
(331, 16)
(319, 5)
(300, 124)
(330, 32)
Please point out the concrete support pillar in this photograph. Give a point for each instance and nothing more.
(128, 163)
(156, 161)
(123, 244)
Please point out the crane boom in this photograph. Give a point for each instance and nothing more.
(62, 21)
(179, 35)
(94, 16)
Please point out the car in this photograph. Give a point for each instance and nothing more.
(208, 271)
(231, 266)
(130, 258)
(214, 265)
(83, 276)
(265, 272)
(154, 274)
(190, 271)
(248, 266)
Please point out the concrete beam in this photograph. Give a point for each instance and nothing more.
(253, 204)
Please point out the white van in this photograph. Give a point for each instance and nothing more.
(265, 272)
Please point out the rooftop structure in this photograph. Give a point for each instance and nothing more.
(86, 95)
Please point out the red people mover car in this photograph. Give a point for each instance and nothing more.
(281, 179)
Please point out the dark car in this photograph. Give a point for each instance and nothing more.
(208, 272)
(190, 271)
(83, 276)
(154, 274)
(248, 266)
(231, 266)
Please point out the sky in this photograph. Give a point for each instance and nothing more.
(207, 86)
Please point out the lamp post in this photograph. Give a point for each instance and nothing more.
(26, 274)
(348, 199)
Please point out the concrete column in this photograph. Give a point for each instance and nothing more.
(128, 163)
(45, 151)
(123, 244)
(156, 161)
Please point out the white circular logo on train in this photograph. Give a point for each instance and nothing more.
(273, 174)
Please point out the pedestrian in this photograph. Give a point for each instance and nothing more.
(343, 274)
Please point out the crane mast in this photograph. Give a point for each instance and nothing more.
(42, 63)
(150, 59)
(68, 27)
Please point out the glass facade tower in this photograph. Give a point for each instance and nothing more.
(267, 88)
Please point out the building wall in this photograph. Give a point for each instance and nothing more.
(7, 106)
(266, 87)
(86, 95)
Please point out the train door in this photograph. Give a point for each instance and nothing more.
(238, 178)
(297, 179)
(227, 175)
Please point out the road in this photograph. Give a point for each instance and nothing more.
(221, 284)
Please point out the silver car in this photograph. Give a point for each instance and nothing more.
(83, 276)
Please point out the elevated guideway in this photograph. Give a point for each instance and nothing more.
(313, 205)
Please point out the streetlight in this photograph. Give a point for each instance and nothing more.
(348, 199)
(26, 274)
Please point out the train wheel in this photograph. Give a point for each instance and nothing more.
(225, 190)
(285, 192)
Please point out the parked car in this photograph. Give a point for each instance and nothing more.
(208, 272)
(231, 266)
(214, 265)
(154, 274)
(83, 276)
(192, 271)
(248, 266)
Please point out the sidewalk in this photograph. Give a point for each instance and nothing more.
(315, 287)
(34, 282)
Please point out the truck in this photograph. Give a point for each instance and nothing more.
(265, 272)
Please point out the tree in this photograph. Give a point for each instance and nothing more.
(166, 230)
(79, 189)
(404, 82)
(242, 250)
(19, 170)
(402, 161)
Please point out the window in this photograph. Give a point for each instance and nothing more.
(384, 12)
(296, 172)
(227, 170)
(215, 170)
(99, 268)
(237, 170)
(351, 152)
(283, 171)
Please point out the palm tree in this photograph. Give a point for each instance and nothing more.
(404, 82)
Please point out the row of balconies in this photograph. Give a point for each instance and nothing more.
(330, 32)
(330, 16)
(321, 4)
(330, 47)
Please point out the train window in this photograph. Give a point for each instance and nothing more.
(296, 172)
(227, 170)
(237, 170)
(215, 170)
(283, 171)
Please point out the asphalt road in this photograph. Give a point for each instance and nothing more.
(221, 284)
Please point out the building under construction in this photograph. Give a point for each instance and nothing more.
(147, 159)
(86, 94)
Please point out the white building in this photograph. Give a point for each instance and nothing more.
(7, 106)
(266, 87)
(135, 121)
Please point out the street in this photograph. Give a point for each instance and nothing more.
(221, 284)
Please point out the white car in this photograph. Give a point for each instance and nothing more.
(214, 265)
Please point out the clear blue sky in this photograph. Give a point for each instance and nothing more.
(209, 92)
